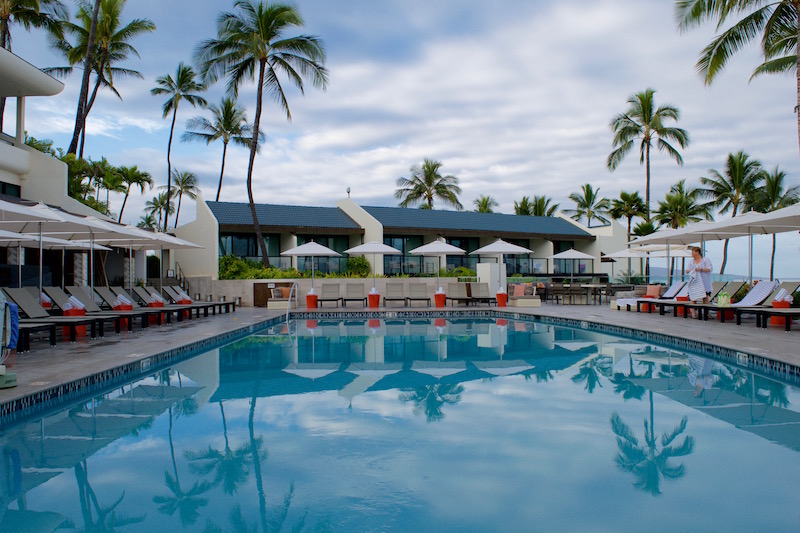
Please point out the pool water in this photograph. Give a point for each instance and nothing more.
(416, 425)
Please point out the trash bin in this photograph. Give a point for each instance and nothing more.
(502, 299)
(374, 300)
(440, 298)
(311, 301)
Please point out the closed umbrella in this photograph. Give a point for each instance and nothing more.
(311, 249)
(437, 248)
(373, 247)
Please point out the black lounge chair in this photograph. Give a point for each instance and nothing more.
(60, 298)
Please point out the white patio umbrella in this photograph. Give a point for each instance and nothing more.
(141, 239)
(437, 248)
(499, 248)
(311, 249)
(373, 247)
(573, 254)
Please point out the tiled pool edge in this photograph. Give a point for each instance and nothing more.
(778, 369)
(64, 393)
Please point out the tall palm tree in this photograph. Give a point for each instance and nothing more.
(133, 177)
(629, 205)
(523, 207)
(184, 183)
(112, 182)
(229, 123)
(771, 196)
(645, 122)
(80, 113)
(589, 205)
(252, 40)
(680, 207)
(647, 462)
(776, 22)
(426, 184)
(158, 206)
(29, 14)
(543, 206)
(112, 46)
(485, 204)
(645, 227)
(736, 186)
(183, 87)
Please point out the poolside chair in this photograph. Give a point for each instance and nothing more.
(107, 295)
(395, 292)
(418, 292)
(37, 319)
(61, 299)
(556, 291)
(176, 298)
(789, 286)
(753, 299)
(732, 287)
(669, 295)
(354, 292)
(480, 294)
(457, 293)
(329, 293)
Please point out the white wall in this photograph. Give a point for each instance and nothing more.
(204, 230)
(373, 230)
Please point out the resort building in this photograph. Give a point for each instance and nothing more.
(226, 228)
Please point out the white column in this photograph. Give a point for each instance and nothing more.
(81, 269)
(20, 138)
(139, 265)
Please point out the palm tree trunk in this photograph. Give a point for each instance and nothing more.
(80, 118)
(724, 257)
(647, 201)
(630, 219)
(262, 500)
(123, 203)
(4, 40)
(89, 105)
(253, 147)
(772, 261)
(169, 166)
(222, 170)
(178, 212)
(797, 75)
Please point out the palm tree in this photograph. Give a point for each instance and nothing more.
(112, 182)
(430, 399)
(542, 206)
(590, 372)
(628, 205)
(80, 113)
(253, 38)
(680, 207)
(158, 205)
(183, 87)
(132, 176)
(735, 186)
(426, 184)
(147, 221)
(645, 227)
(112, 46)
(644, 122)
(771, 196)
(229, 123)
(29, 13)
(485, 204)
(589, 205)
(184, 183)
(523, 207)
(776, 22)
(647, 462)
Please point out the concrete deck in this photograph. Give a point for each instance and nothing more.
(43, 367)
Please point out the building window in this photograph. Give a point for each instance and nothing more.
(9, 189)
(406, 263)
(246, 245)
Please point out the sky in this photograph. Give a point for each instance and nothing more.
(514, 100)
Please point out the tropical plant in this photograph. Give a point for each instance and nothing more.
(133, 177)
(358, 265)
(426, 184)
(430, 399)
(229, 123)
(156, 207)
(628, 206)
(589, 205)
(147, 221)
(523, 207)
(184, 183)
(112, 46)
(543, 206)
(680, 207)
(647, 462)
(771, 196)
(253, 39)
(183, 87)
(29, 14)
(776, 22)
(112, 182)
(485, 204)
(736, 186)
(645, 122)
(43, 145)
(80, 113)
(590, 372)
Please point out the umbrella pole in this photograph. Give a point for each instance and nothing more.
(91, 262)
(161, 270)
(40, 259)
(669, 267)
(750, 261)
(19, 263)
(63, 262)
(373, 270)
(130, 267)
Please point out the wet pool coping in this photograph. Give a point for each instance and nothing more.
(773, 355)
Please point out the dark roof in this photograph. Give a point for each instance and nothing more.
(283, 216)
(470, 222)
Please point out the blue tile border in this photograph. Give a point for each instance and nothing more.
(57, 396)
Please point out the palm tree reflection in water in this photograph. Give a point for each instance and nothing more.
(430, 399)
(590, 372)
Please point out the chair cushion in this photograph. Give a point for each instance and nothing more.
(277, 293)
(519, 290)
(654, 291)
(285, 292)
(529, 290)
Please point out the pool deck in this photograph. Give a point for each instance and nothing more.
(44, 367)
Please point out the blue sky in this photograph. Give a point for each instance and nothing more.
(514, 98)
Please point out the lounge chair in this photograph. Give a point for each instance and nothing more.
(765, 309)
(418, 292)
(354, 292)
(37, 319)
(457, 293)
(480, 294)
(670, 294)
(329, 293)
(395, 292)
(60, 298)
(762, 291)
(732, 287)
(176, 297)
(145, 296)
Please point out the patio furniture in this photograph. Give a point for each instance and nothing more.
(354, 292)
(418, 292)
(61, 299)
(457, 293)
(395, 292)
(329, 293)
(480, 294)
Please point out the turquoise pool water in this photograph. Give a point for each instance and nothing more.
(416, 425)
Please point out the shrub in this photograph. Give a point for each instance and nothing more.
(358, 266)
(232, 267)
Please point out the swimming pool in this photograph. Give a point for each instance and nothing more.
(434, 424)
